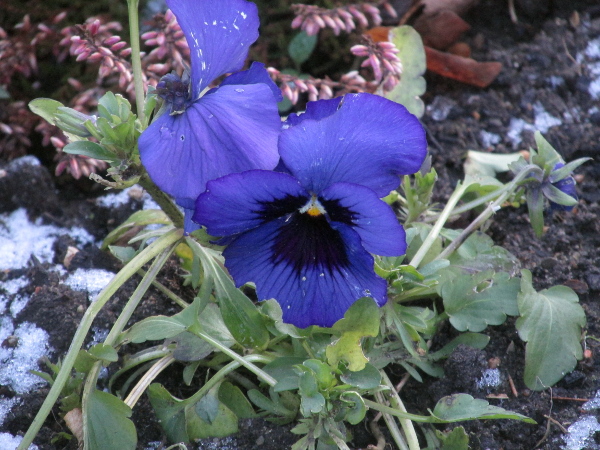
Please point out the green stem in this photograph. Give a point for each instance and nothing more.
(166, 291)
(395, 412)
(485, 215)
(163, 200)
(117, 328)
(435, 231)
(136, 60)
(407, 425)
(392, 427)
(118, 280)
(240, 359)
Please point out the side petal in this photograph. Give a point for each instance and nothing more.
(242, 201)
(219, 34)
(255, 74)
(369, 141)
(311, 294)
(372, 218)
(315, 111)
(233, 129)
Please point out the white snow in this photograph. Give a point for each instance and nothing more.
(10, 442)
(580, 434)
(543, 121)
(21, 239)
(90, 280)
(489, 379)
(590, 60)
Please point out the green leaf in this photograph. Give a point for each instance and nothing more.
(123, 254)
(104, 352)
(489, 164)
(412, 55)
(170, 412)
(362, 319)
(137, 219)
(474, 301)
(367, 378)
(107, 423)
(190, 347)
(474, 340)
(458, 407)
(358, 410)
(457, 439)
(312, 401)
(244, 321)
(479, 253)
(91, 149)
(535, 206)
(232, 397)
(224, 423)
(301, 47)
(551, 323)
(45, 108)
(153, 329)
(550, 156)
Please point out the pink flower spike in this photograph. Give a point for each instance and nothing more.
(297, 21)
(118, 46)
(149, 35)
(94, 27)
(111, 40)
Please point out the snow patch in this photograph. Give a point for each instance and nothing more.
(580, 434)
(90, 280)
(489, 379)
(543, 121)
(10, 442)
(21, 239)
(15, 363)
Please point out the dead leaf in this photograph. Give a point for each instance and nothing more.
(465, 70)
(440, 30)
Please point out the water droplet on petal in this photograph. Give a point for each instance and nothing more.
(239, 90)
(303, 278)
(321, 274)
(210, 116)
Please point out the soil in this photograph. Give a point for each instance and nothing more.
(540, 67)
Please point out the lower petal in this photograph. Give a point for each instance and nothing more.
(309, 294)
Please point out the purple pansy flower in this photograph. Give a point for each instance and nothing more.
(231, 128)
(305, 236)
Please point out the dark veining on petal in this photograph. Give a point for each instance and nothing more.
(306, 241)
(281, 207)
(337, 212)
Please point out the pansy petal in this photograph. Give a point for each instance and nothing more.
(369, 141)
(242, 201)
(315, 111)
(219, 34)
(309, 294)
(232, 129)
(372, 218)
(255, 74)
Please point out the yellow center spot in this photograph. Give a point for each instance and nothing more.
(313, 211)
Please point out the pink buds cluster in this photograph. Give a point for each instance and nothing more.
(317, 88)
(170, 52)
(383, 60)
(95, 42)
(312, 18)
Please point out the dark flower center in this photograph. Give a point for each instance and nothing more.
(175, 91)
(306, 238)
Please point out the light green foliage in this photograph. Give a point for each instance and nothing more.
(412, 55)
(108, 425)
(137, 219)
(551, 323)
(362, 319)
(457, 439)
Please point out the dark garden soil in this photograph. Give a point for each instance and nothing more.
(540, 69)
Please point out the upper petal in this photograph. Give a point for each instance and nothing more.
(368, 140)
(242, 201)
(232, 129)
(373, 219)
(219, 34)
(315, 111)
(309, 293)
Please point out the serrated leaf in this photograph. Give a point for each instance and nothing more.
(551, 323)
(361, 320)
(301, 47)
(412, 55)
(457, 439)
(90, 149)
(45, 108)
(457, 407)
(474, 301)
(107, 423)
